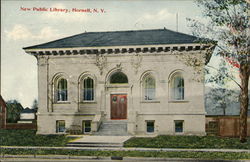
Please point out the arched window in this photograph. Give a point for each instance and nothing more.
(149, 87)
(177, 87)
(62, 92)
(118, 78)
(88, 89)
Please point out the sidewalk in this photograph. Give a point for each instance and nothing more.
(128, 149)
(102, 139)
(53, 158)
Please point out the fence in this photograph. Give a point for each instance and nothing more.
(21, 126)
(226, 126)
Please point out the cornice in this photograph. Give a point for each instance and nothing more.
(119, 49)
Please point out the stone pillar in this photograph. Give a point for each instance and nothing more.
(42, 63)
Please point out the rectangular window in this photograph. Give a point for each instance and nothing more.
(150, 126)
(60, 126)
(178, 126)
(86, 126)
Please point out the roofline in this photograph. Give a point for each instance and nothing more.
(114, 47)
(30, 47)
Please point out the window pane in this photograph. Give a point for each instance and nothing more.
(62, 95)
(178, 88)
(62, 90)
(150, 126)
(87, 126)
(118, 77)
(62, 84)
(88, 89)
(149, 88)
(178, 126)
(88, 94)
(60, 126)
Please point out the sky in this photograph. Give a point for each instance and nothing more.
(21, 27)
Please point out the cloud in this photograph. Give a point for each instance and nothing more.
(21, 32)
(18, 32)
(64, 16)
(47, 33)
(159, 16)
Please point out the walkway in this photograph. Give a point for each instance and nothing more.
(102, 139)
(127, 149)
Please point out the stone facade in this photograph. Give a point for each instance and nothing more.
(161, 114)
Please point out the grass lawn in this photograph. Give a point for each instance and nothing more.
(174, 154)
(29, 138)
(187, 142)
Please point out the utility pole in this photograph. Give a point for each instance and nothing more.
(177, 21)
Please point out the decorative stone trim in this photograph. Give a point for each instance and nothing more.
(101, 62)
(136, 62)
(119, 50)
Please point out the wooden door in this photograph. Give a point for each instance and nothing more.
(118, 106)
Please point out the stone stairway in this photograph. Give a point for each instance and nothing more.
(113, 128)
(110, 134)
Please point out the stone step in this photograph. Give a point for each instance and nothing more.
(115, 121)
(113, 128)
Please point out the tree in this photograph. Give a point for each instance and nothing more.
(14, 109)
(228, 28)
(219, 100)
(220, 95)
(35, 105)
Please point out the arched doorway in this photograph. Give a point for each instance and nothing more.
(118, 102)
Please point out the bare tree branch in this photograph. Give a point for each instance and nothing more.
(228, 76)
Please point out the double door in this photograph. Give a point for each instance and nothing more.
(118, 106)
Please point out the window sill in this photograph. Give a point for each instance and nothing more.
(178, 101)
(150, 101)
(62, 102)
(88, 102)
(179, 133)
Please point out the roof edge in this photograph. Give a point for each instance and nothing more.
(119, 31)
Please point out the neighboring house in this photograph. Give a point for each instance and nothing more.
(223, 122)
(27, 116)
(138, 77)
(2, 113)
